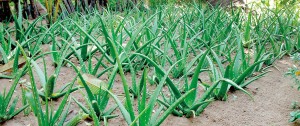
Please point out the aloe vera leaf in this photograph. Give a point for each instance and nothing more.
(190, 99)
(168, 80)
(172, 107)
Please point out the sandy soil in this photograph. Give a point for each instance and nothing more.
(273, 95)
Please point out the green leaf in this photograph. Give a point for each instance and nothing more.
(224, 85)
(190, 99)
(247, 72)
(123, 110)
(172, 107)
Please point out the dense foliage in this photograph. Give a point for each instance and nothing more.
(166, 51)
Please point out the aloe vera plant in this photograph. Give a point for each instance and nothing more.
(8, 107)
(10, 55)
(5, 46)
(47, 117)
(238, 70)
(48, 83)
(193, 106)
(144, 117)
(97, 97)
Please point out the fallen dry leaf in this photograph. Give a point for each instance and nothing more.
(7, 68)
(93, 83)
(297, 73)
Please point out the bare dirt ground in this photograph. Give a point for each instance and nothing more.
(273, 95)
